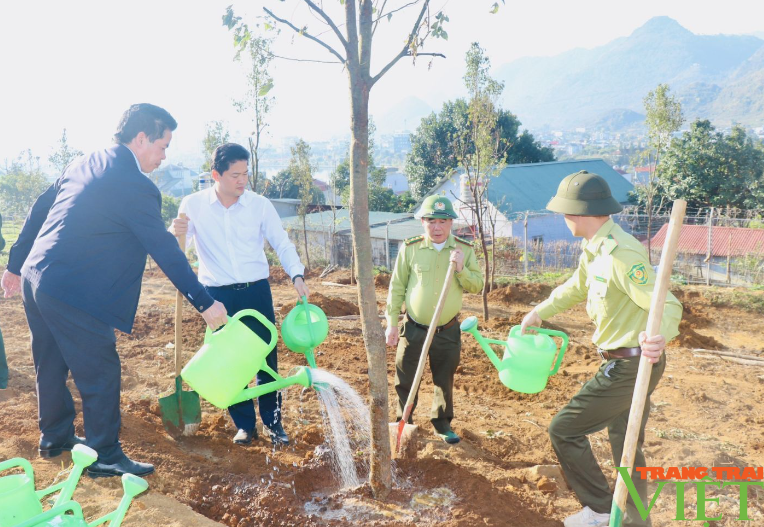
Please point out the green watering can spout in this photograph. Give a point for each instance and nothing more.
(302, 377)
(529, 360)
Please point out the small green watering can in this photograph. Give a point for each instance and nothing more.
(231, 357)
(70, 513)
(19, 501)
(304, 328)
(529, 360)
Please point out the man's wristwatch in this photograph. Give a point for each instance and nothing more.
(295, 277)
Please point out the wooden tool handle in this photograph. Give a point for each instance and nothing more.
(428, 340)
(179, 310)
(645, 367)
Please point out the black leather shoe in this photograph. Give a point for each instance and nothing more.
(277, 434)
(49, 449)
(124, 466)
(244, 437)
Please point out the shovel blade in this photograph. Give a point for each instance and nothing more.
(405, 445)
(180, 411)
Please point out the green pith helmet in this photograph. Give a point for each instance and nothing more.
(584, 194)
(437, 207)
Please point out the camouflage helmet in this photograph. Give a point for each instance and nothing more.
(437, 207)
(584, 194)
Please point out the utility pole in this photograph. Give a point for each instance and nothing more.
(525, 245)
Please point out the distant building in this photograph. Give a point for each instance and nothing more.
(402, 142)
(175, 180)
(396, 181)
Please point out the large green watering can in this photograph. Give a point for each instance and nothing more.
(19, 501)
(70, 513)
(529, 360)
(304, 328)
(231, 357)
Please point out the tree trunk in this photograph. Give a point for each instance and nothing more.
(373, 335)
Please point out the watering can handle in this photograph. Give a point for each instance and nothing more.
(251, 313)
(18, 462)
(515, 332)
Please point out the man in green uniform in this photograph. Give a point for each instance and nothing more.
(616, 280)
(418, 278)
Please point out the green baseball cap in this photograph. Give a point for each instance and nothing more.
(437, 207)
(584, 194)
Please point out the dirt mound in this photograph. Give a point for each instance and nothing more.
(382, 280)
(522, 293)
(689, 338)
(334, 307)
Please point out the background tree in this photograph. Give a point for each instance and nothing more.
(257, 101)
(352, 45)
(21, 184)
(302, 174)
(432, 155)
(663, 118)
(215, 135)
(64, 155)
(709, 169)
(284, 186)
(480, 149)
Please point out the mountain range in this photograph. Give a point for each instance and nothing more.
(716, 77)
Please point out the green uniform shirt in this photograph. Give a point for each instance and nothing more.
(420, 270)
(616, 279)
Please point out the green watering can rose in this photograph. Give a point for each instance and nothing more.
(528, 361)
(304, 328)
(231, 357)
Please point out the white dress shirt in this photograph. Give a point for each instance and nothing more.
(229, 241)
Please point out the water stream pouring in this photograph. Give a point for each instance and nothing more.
(529, 360)
(231, 357)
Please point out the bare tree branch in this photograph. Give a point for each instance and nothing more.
(329, 21)
(376, 22)
(306, 34)
(405, 51)
(307, 60)
(383, 15)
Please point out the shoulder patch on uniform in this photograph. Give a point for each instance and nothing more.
(414, 239)
(638, 274)
(610, 244)
(462, 240)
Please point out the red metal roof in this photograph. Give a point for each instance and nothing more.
(694, 239)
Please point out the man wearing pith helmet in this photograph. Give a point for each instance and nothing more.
(418, 278)
(616, 280)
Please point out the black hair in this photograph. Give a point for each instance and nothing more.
(147, 118)
(226, 154)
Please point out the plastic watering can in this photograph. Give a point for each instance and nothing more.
(304, 328)
(230, 358)
(19, 501)
(529, 360)
(70, 513)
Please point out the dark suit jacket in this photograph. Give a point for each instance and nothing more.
(86, 238)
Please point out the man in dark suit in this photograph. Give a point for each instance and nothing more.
(78, 262)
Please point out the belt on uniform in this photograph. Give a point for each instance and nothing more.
(236, 287)
(438, 329)
(619, 353)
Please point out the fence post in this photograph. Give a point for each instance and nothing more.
(710, 240)
(387, 245)
(525, 244)
(729, 252)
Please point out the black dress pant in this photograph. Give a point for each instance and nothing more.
(66, 339)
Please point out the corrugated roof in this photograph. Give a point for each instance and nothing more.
(694, 239)
(529, 187)
(323, 220)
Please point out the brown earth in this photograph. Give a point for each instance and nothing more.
(706, 412)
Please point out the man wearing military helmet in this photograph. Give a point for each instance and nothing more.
(418, 278)
(616, 280)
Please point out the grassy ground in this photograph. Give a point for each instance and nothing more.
(10, 233)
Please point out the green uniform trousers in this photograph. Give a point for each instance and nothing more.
(444, 354)
(603, 402)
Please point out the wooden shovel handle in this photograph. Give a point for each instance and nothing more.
(654, 318)
(427, 341)
(179, 310)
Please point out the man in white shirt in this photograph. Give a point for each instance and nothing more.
(229, 225)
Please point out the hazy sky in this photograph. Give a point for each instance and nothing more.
(79, 64)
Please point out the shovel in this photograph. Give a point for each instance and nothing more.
(181, 411)
(405, 433)
(660, 290)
